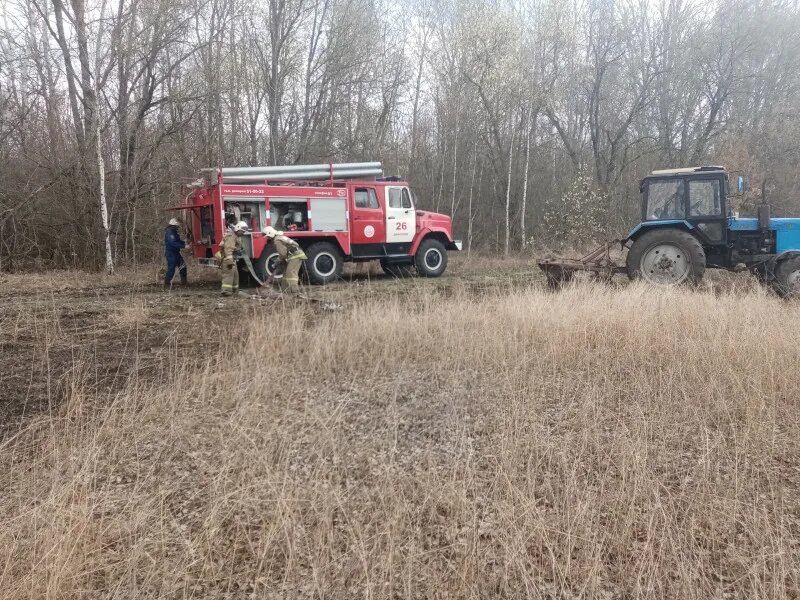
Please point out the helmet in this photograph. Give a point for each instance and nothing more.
(240, 226)
(270, 232)
(173, 222)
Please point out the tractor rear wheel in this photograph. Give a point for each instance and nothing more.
(667, 257)
(787, 278)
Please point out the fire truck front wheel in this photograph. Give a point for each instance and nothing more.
(431, 258)
(324, 264)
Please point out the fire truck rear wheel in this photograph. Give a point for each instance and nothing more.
(324, 264)
(431, 258)
(265, 265)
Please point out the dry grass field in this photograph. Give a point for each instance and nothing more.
(475, 436)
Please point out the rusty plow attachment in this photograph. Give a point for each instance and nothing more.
(598, 263)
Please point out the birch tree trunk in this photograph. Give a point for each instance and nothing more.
(101, 172)
(91, 119)
(470, 215)
(455, 170)
(508, 195)
(441, 176)
(417, 88)
(523, 208)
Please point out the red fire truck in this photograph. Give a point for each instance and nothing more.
(337, 212)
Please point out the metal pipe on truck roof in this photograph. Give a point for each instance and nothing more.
(295, 168)
(319, 172)
(278, 169)
(241, 179)
(287, 168)
(300, 175)
(277, 175)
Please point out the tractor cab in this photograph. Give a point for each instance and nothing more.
(695, 198)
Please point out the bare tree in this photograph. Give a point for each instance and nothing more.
(105, 105)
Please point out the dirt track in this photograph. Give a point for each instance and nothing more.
(53, 326)
(110, 333)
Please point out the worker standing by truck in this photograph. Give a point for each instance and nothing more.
(291, 259)
(173, 244)
(229, 252)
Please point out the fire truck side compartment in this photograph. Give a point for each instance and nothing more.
(284, 212)
(328, 214)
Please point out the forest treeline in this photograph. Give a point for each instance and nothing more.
(531, 121)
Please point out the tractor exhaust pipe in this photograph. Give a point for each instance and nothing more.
(763, 217)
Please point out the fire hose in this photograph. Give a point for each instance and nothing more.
(249, 264)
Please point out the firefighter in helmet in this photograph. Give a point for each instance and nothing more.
(173, 244)
(287, 271)
(229, 252)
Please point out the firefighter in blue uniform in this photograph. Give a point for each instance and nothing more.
(173, 244)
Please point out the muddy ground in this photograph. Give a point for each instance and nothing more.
(110, 329)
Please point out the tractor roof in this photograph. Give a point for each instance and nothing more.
(687, 171)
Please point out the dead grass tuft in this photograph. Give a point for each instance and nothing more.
(131, 314)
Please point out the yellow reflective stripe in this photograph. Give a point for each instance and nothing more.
(292, 279)
(300, 256)
(229, 285)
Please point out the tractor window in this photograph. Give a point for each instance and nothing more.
(704, 199)
(665, 200)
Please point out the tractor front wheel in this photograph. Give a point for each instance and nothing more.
(667, 257)
(787, 278)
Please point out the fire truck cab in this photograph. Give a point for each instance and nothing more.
(338, 214)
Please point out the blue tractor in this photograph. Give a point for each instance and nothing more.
(687, 226)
